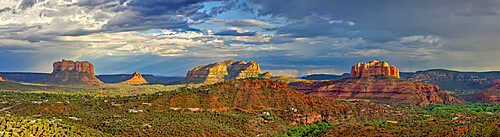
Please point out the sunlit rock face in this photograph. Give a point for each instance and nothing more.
(67, 72)
(373, 68)
(136, 79)
(78, 66)
(223, 71)
(1, 79)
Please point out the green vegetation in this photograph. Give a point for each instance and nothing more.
(232, 108)
(27, 126)
(254, 78)
(379, 77)
(310, 129)
(480, 108)
(468, 124)
(106, 90)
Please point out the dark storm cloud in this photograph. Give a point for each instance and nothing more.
(129, 21)
(5, 9)
(235, 33)
(163, 7)
(156, 14)
(384, 20)
(135, 15)
(28, 3)
(311, 26)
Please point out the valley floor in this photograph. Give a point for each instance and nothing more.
(192, 112)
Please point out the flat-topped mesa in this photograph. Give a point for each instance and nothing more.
(67, 72)
(79, 66)
(373, 68)
(136, 79)
(223, 71)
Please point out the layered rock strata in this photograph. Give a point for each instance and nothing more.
(224, 71)
(491, 95)
(67, 72)
(373, 68)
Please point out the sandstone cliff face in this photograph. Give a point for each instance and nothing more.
(223, 71)
(67, 72)
(1, 79)
(267, 75)
(491, 95)
(373, 68)
(136, 79)
(79, 66)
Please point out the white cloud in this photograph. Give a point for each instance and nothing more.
(350, 23)
(367, 53)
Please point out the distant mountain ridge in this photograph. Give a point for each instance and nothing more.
(23, 76)
(152, 79)
(106, 78)
(455, 81)
(324, 76)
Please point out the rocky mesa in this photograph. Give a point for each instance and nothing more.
(224, 71)
(67, 72)
(373, 68)
(491, 95)
(379, 83)
(136, 79)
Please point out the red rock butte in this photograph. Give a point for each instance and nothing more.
(224, 71)
(67, 72)
(79, 66)
(373, 68)
(136, 79)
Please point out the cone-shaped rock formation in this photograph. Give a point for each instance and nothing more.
(136, 79)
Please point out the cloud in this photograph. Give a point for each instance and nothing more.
(367, 52)
(235, 33)
(384, 21)
(312, 26)
(242, 23)
(292, 36)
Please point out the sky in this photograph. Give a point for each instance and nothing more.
(286, 37)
